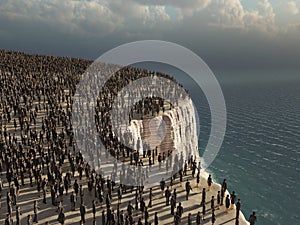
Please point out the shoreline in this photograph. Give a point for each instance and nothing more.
(205, 175)
(215, 187)
(28, 193)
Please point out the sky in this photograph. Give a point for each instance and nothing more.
(231, 34)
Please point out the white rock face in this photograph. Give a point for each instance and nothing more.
(184, 130)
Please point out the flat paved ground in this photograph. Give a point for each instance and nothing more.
(47, 211)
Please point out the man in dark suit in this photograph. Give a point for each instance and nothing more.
(180, 210)
(188, 188)
(61, 217)
(82, 212)
(35, 211)
(18, 215)
(252, 218)
(167, 195)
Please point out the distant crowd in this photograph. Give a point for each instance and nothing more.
(37, 149)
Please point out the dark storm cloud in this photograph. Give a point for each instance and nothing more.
(87, 30)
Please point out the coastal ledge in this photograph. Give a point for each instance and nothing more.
(47, 211)
(193, 204)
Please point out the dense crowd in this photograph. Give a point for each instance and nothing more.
(37, 147)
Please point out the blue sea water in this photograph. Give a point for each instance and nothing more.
(260, 155)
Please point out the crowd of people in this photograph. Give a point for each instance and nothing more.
(38, 151)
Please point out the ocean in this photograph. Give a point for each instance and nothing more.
(260, 155)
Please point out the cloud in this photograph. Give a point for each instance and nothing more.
(182, 7)
(84, 18)
(228, 13)
(104, 17)
(292, 7)
(232, 14)
(81, 17)
(140, 13)
(140, 18)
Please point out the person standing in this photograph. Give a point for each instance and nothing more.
(146, 215)
(108, 216)
(180, 176)
(238, 208)
(209, 182)
(73, 201)
(212, 203)
(107, 201)
(44, 186)
(103, 217)
(76, 187)
(100, 196)
(52, 191)
(176, 219)
(44, 194)
(159, 158)
(213, 217)
(129, 209)
(82, 212)
(59, 207)
(232, 199)
(35, 211)
(224, 185)
(173, 205)
(66, 183)
(180, 210)
(81, 192)
(61, 217)
(185, 168)
(13, 194)
(119, 195)
(162, 186)
(203, 211)
(9, 208)
(136, 201)
(194, 167)
(188, 188)
(121, 217)
(167, 196)
(8, 220)
(218, 199)
(189, 222)
(198, 218)
(199, 167)
(18, 215)
(222, 195)
(175, 194)
(140, 221)
(113, 217)
(142, 206)
(8, 199)
(252, 218)
(22, 177)
(150, 198)
(227, 203)
(198, 179)
(29, 220)
(203, 197)
(94, 209)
